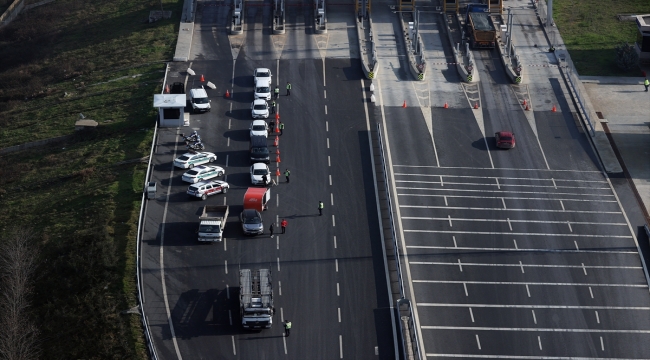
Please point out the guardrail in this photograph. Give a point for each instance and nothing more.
(410, 329)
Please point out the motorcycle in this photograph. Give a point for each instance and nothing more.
(196, 146)
(192, 137)
(196, 140)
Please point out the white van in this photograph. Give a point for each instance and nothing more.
(199, 100)
(263, 89)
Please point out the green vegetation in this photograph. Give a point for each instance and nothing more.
(103, 59)
(591, 32)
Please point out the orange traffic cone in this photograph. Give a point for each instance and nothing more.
(554, 109)
(277, 159)
(202, 78)
(525, 103)
(277, 171)
(277, 151)
(527, 107)
(277, 129)
(277, 141)
(475, 105)
(404, 105)
(277, 116)
(167, 89)
(227, 94)
(446, 105)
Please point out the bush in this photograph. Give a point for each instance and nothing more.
(626, 57)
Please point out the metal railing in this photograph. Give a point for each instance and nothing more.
(410, 329)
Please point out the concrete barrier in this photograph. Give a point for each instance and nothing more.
(185, 32)
(464, 59)
(417, 63)
(367, 50)
(11, 13)
(512, 63)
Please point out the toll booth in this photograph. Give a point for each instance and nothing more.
(643, 37)
(171, 109)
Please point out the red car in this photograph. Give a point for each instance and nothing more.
(505, 139)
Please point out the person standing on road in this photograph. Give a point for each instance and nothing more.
(265, 179)
(320, 208)
(273, 107)
(276, 91)
(271, 126)
(646, 83)
(271, 229)
(288, 88)
(287, 328)
(287, 173)
(283, 225)
(281, 128)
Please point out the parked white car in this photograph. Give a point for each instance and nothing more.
(203, 172)
(189, 160)
(259, 128)
(262, 74)
(259, 109)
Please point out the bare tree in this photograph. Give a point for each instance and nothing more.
(18, 332)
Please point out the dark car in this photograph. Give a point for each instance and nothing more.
(251, 222)
(505, 139)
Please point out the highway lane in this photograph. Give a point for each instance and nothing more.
(327, 271)
(525, 253)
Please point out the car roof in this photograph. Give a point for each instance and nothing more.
(259, 166)
(198, 93)
(505, 133)
(259, 122)
(251, 211)
(263, 82)
(259, 101)
(262, 69)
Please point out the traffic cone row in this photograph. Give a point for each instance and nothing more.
(277, 171)
(276, 143)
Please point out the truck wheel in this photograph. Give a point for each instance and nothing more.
(204, 197)
(224, 190)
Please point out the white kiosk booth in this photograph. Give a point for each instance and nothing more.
(643, 37)
(171, 109)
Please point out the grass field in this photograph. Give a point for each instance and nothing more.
(591, 31)
(101, 59)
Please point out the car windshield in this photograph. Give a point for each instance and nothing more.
(201, 100)
(252, 219)
(260, 172)
(194, 188)
(259, 127)
(263, 89)
(209, 229)
(260, 150)
(506, 138)
(263, 74)
(183, 158)
(259, 107)
(191, 172)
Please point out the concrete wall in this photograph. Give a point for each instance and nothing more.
(11, 13)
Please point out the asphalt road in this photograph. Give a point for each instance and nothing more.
(328, 271)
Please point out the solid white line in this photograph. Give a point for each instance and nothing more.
(500, 209)
(522, 234)
(278, 264)
(500, 185)
(509, 198)
(325, 109)
(338, 290)
(636, 242)
(234, 348)
(341, 346)
(280, 288)
(528, 283)
(520, 250)
(330, 180)
(479, 168)
(508, 220)
(339, 314)
(400, 231)
(486, 328)
(478, 342)
(580, 181)
(499, 191)
(332, 199)
(333, 221)
(491, 163)
(534, 317)
(521, 265)
(225, 266)
(541, 306)
(335, 241)
(329, 163)
(337, 264)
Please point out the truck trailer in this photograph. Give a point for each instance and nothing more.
(256, 298)
(212, 222)
(480, 28)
